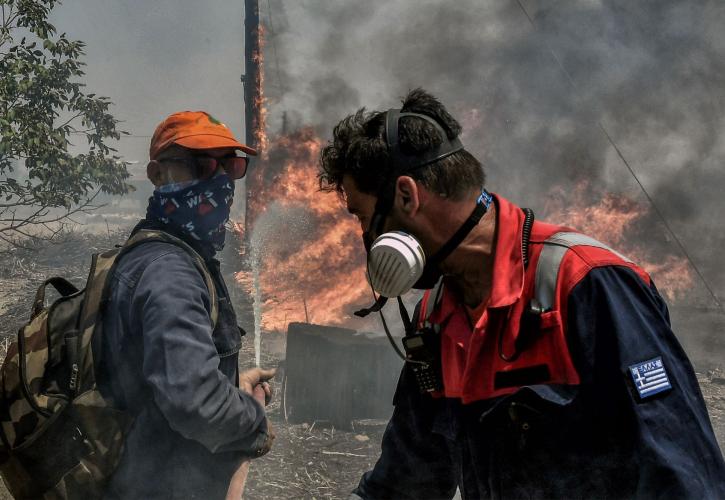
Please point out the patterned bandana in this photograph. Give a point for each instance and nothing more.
(199, 211)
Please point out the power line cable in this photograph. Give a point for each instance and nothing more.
(611, 141)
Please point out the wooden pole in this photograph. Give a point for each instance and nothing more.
(251, 69)
(252, 97)
(250, 79)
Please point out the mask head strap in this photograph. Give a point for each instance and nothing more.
(403, 162)
(483, 202)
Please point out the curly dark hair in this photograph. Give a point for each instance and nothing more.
(359, 148)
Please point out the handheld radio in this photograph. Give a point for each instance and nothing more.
(422, 352)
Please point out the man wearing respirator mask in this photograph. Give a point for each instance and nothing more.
(541, 364)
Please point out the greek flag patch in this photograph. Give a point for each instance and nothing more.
(650, 377)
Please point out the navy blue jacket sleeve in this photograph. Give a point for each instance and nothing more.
(415, 461)
(616, 322)
(181, 364)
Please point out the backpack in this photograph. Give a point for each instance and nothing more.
(61, 438)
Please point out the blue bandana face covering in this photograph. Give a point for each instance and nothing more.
(200, 210)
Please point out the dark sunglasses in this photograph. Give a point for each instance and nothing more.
(206, 166)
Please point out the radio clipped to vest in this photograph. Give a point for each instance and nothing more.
(423, 352)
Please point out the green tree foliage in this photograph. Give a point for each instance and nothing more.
(54, 159)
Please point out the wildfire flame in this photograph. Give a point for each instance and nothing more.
(306, 246)
(613, 221)
(310, 257)
(259, 123)
(305, 252)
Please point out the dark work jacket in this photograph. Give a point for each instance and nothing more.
(594, 440)
(582, 432)
(162, 362)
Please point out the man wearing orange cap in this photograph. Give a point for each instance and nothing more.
(169, 350)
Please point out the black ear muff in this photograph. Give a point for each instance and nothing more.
(402, 162)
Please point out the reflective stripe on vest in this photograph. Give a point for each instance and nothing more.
(547, 272)
(547, 269)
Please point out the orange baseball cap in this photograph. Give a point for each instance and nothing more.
(194, 130)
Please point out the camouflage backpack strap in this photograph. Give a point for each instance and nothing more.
(61, 285)
(79, 353)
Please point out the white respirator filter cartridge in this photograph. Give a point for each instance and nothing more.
(395, 262)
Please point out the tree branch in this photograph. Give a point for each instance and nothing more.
(22, 201)
(38, 217)
(70, 120)
(14, 242)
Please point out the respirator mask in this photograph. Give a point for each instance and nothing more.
(396, 262)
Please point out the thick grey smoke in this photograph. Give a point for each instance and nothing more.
(531, 96)
(532, 82)
(535, 86)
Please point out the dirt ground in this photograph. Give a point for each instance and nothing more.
(316, 461)
(311, 460)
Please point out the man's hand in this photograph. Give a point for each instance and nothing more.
(262, 393)
(254, 382)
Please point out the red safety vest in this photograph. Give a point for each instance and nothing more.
(498, 357)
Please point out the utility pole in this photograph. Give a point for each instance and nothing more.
(252, 94)
(251, 77)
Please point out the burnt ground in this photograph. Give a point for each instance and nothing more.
(309, 460)
(315, 460)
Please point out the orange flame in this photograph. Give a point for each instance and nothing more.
(259, 125)
(309, 256)
(612, 221)
(305, 246)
